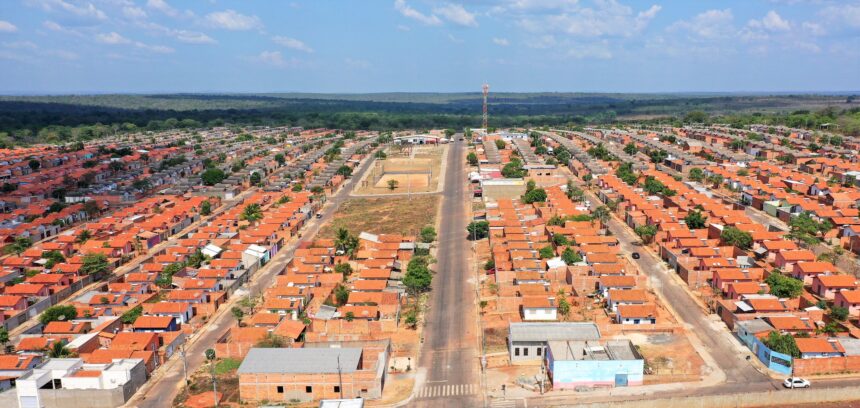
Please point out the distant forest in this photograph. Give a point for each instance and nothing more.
(60, 119)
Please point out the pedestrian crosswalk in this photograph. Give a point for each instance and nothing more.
(447, 390)
(503, 403)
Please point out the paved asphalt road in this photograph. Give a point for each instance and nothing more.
(449, 353)
(160, 390)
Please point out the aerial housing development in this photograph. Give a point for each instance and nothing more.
(429, 203)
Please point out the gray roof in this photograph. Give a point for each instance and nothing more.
(553, 331)
(851, 346)
(757, 325)
(300, 361)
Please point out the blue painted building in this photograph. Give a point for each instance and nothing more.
(613, 363)
(748, 331)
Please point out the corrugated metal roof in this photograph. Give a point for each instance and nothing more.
(300, 361)
(542, 332)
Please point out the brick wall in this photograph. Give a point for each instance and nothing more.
(813, 366)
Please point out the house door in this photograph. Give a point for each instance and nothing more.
(620, 380)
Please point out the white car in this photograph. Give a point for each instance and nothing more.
(796, 382)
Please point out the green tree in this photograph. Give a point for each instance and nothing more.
(695, 220)
(205, 208)
(84, 236)
(472, 158)
(34, 164)
(500, 144)
(131, 315)
(343, 268)
(563, 304)
(530, 185)
(537, 195)
(297, 187)
(646, 232)
(839, 313)
(601, 213)
(344, 170)
(743, 172)
(212, 176)
(806, 229)
(478, 230)
(95, 264)
(428, 234)
(630, 148)
(255, 178)
(59, 350)
(783, 286)
(736, 237)
(349, 316)
(514, 169)
(4, 336)
(58, 313)
(570, 257)
(559, 240)
(18, 246)
(696, 174)
(411, 318)
(546, 252)
(252, 213)
(280, 159)
(392, 184)
(418, 277)
(341, 295)
(346, 242)
(271, 340)
(782, 343)
(238, 313)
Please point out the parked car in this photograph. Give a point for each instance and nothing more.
(319, 215)
(796, 382)
(635, 255)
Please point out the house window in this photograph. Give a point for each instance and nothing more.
(280, 389)
(525, 351)
(516, 351)
(336, 388)
(309, 389)
(539, 350)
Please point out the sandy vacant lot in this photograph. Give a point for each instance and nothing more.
(394, 215)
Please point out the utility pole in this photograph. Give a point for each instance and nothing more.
(339, 377)
(184, 364)
(486, 89)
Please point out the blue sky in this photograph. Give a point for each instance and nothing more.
(140, 46)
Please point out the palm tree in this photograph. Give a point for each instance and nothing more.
(345, 242)
(601, 213)
(59, 350)
(252, 213)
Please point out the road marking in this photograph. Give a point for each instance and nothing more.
(448, 390)
(504, 403)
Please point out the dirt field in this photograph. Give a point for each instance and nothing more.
(670, 357)
(415, 168)
(395, 215)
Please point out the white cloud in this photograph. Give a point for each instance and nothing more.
(82, 10)
(813, 28)
(542, 42)
(168, 10)
(356, 63)
(231, 20)
(7, 27)
(292, 43)
(62, 54)
(456, 14)
(19, 45)
(274, 59)
(607, 18)
(406, 11)
(599, 50)
(133, 12)
(112, 38)
(454, 39)
(843, 15)
(770, 22)
(501, 41)
(186, 36)
(709, 25)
